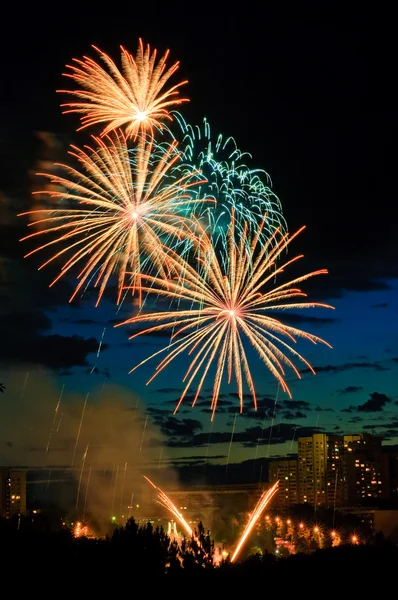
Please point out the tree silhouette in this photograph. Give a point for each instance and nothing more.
(143, 548)
(198, 552)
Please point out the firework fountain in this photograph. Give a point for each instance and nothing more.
(259, 509)
(164, 501)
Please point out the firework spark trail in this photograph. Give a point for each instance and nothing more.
(123, 484)
(160, 458)
(261, 474)
(208, 442)
(103, 384)
(79, 430)
(262, 503)
(86, 494)
(81, 476)
(100, 344)
(24, 385)
(135, 412)
(230, 443)
(273, 420)
(117, 213)
(59, 422)
(164, 501)
(227, 303)
(48, 483)
(131, 504)
(260, 439)
(135, 98)
(114, 489)
(143, 432)
(294, 435)
(55, 417)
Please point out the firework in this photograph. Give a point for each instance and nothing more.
(117, 212)
(229, 179)
(226, 303)
(135, 98)
(80, 530)
(262, 503)
(164, 501)
(79, 430)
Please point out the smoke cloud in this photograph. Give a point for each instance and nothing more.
(85, 452)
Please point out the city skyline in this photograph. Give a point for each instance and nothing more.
(324, 169)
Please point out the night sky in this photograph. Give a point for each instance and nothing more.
(311, 97)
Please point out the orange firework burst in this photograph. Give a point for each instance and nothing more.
(228, 299)
(134, 98)
(129, 204)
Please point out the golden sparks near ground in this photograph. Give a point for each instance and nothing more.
(117, 213)
(224, 301)
(164, 501)
(134, 98)
(262, 503)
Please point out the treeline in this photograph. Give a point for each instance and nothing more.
(144, 552)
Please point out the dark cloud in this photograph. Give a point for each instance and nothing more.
(376, 366)
(96, 371)
(320, 409)
(268, 408)
(81, 321)
(355, 420)
(382, 425)
(174, 427)
(380, 305)
(389, 434)
(27, 303)
(249, 438)
(296, 415)
(220, 402)
(296, 404)
(350, 276)
(350, 389)
(53, 351)
(194, 457)
(188, 398)
(154, 410)
(375, 403)
(166, 391)
(295, 319)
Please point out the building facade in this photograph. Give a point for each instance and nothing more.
(342, 470)
(286, 471)
(12, 492)
(4, 492)
(367, 470)
(313, 463)
(17, 492)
